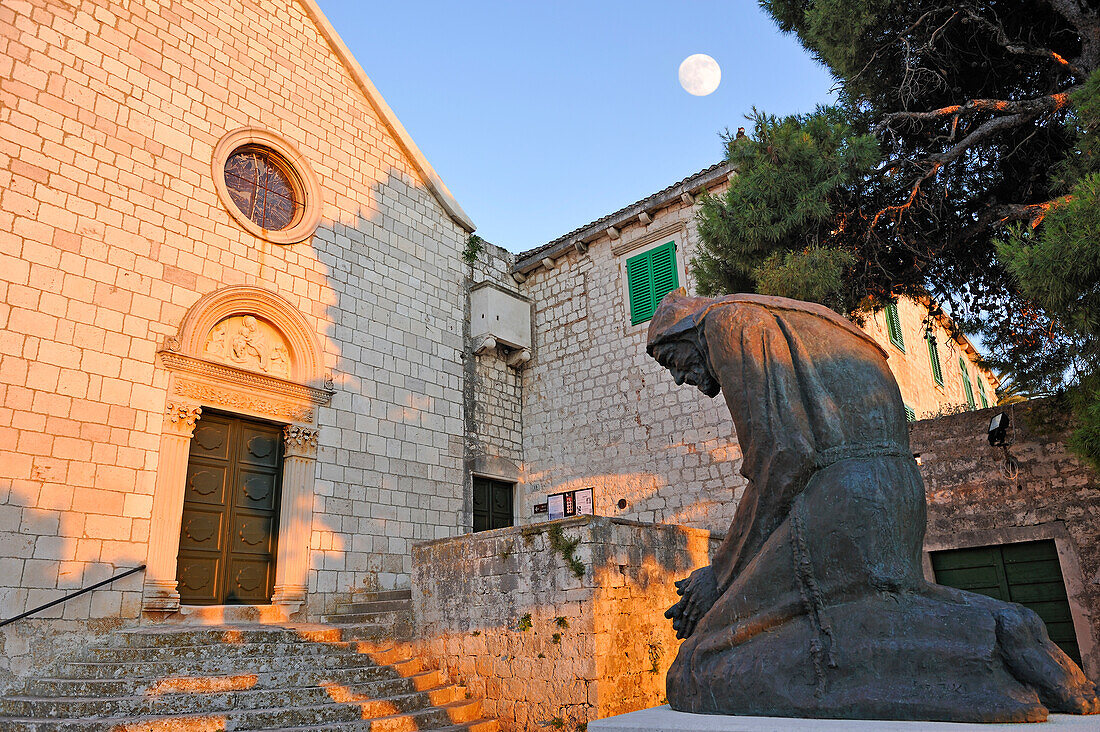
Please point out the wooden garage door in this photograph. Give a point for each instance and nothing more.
(1027, 573)
(230, 512)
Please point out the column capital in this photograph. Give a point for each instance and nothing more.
(180, 418)
(300, 441)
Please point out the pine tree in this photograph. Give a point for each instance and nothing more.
(961, 162)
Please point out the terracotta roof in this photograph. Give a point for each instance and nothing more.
(530, 259)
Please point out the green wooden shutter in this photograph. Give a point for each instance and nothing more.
(981, 395)
(649, 277)
(966, 383)
(1027, 573)
(910, 415)
(893, 326)
(934, 360)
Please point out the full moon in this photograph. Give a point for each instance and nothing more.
(700, 74)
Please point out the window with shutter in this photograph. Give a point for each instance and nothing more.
(966, 383)
(649, 277)
(910, 415)
(981, 395)
(934, 360)
(893, 326)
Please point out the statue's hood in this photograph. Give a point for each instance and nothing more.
(679, 313)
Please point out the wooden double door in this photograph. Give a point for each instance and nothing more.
(230, 512)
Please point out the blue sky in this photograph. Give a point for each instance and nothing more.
(541, 117)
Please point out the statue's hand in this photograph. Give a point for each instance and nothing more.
(698, 592)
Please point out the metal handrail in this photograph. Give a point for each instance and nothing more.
(78, 593)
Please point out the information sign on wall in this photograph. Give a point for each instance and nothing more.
(570, 503)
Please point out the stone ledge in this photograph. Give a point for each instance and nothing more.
(663, 719)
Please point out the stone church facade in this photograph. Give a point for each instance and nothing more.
(252, 407)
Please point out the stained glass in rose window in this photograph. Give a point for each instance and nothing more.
(260, 189)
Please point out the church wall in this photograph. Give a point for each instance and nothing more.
(598, 412)
(111, 229)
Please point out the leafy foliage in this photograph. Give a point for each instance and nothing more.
(565, 547)
(474, 246)
(777, 221)
(959, 163)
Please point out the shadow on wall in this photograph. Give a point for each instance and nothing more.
(55, 538)
(395, 312)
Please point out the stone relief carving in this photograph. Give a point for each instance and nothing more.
(301, 441)
(248, 342)
(182, 416)
(233, 400)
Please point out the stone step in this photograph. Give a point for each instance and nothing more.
(374, 606)
(168, 635)
(227, 614)
(223, 666)
(99, 688)
(381, 596)
(455, 715)
(123, 654)
(371, 631)
(375, 700)
(385, 617)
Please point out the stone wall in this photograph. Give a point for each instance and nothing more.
(494, 436)
(598, 412)
(974, 501)
(506, 614)
(111, 229)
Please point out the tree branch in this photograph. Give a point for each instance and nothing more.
(1085, 19)
(1001, 37)
(1032, 213)
(1039, 105)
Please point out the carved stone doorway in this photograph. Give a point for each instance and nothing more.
(230, 519)
(249, 353)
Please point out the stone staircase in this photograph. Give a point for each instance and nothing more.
(356, 673)
(370, 615)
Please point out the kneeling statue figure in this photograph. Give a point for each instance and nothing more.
(815, 604)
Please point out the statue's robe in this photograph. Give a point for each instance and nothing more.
(823, 610)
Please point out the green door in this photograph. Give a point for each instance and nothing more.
(1027, 573)
(492, 504)
(230, 512)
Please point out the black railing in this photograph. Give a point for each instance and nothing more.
(70, 596)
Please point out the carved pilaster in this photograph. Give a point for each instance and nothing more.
(180, 418)
(160, 593)
(296, 518)
(300, 441)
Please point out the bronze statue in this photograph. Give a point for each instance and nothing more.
(815, 604)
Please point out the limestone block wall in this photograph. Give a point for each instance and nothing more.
(546, 649)
(973, 501)
(111, 229)
(912, 367)
(598, 412)
(494, 389)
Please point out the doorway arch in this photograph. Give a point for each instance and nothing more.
(246, 351)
